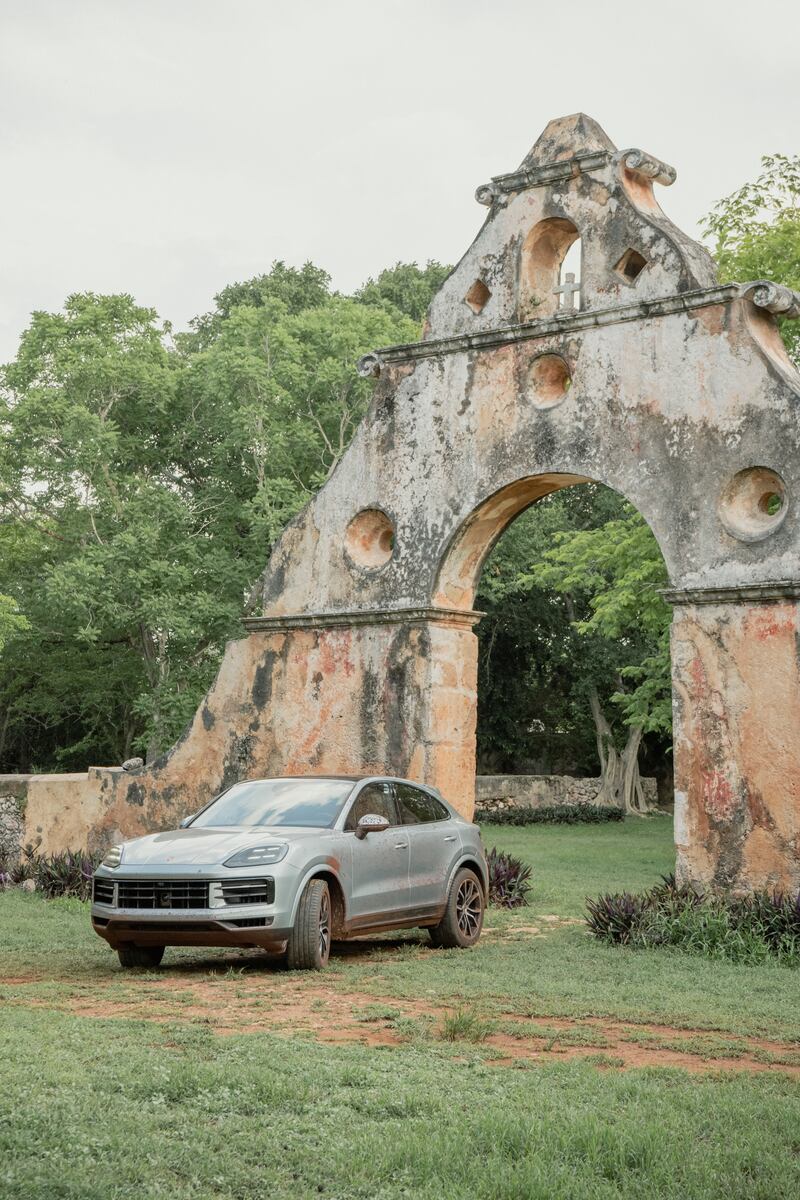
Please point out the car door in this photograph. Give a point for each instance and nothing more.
(434, 845)
(379, 860)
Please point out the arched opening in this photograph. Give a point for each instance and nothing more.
(573, 675)
(550, 269)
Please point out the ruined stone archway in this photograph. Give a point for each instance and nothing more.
(663, 384)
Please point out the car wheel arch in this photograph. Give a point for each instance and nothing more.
(472, 863)
(337, 893)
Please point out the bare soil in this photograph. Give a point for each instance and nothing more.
(230, 1003)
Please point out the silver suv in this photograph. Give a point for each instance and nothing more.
(292, 864)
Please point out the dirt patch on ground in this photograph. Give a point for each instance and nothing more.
(235, 1003)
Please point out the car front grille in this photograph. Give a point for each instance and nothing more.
(182, 893)
(247, 891)
(103, 891)
(162, 893)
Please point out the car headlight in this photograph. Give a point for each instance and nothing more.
(258, 856)
(113, 858)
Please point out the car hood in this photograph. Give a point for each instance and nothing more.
(199, 847)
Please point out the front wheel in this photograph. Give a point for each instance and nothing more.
(140, 956)
(309, 945)
(463, 917)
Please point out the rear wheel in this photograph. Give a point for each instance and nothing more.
(463, 917)
(140, 956)
(309, 945)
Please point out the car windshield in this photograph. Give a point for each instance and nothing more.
(315, 803)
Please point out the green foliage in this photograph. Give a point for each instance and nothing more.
(756, 232)
(466, 1025)
(143, 481)
(614, 572)
(11, 620)
(748, 929)
(572, 607)
(405, 287)
(550, 814)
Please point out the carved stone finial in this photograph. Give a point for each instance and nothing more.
(489, 194)
(369, 366)
(774, 297)
(646, 164)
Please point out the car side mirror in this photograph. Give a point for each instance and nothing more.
(186, 820)
(370, 823)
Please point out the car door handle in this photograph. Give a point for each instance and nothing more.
(449, 838)
(401, 845)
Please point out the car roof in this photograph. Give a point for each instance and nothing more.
(342, 778)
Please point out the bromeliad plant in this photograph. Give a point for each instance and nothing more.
(760, 927)
(66, 874)
(509, 879)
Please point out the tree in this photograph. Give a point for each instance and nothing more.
(756, 231)
(611, 576)
(405, 287)
(143, 483)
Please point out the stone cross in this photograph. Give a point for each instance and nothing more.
(568, 290)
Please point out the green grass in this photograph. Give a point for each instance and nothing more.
(121, 1108)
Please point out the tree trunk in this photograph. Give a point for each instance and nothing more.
(620, 781)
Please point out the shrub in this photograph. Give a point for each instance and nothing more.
(615, 918)
(549, 814)
(509, 879)
(66, 874)
(754, 928)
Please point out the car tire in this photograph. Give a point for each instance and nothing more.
(462, 922)
(131, 957)
(309, 944)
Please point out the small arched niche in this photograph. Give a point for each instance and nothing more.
(542, 257)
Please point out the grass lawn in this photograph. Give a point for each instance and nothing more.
(508, 1072)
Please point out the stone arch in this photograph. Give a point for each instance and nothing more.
(665, 385)
(459, 571)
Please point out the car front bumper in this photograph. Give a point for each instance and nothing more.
(267, 925)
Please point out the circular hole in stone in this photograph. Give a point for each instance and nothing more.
(753, 504)
(549, 380)
(369, 538)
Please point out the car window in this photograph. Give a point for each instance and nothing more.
(375, 798)
(418, 807)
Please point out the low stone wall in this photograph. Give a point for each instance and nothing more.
(496, 792)
(93, 809)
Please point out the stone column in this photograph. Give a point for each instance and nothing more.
(736, 700)
(383, 692)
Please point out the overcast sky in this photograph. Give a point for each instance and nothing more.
(169, 147)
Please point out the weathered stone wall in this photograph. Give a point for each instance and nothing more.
(662, 384)
(498, 792)
(340, 699)
(12, 827)
(737, 743)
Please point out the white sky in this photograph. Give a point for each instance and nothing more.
(169, 147)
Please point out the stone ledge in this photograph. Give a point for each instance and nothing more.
(746, 593)
(346, 620)
(518, 181)
(369, 364)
